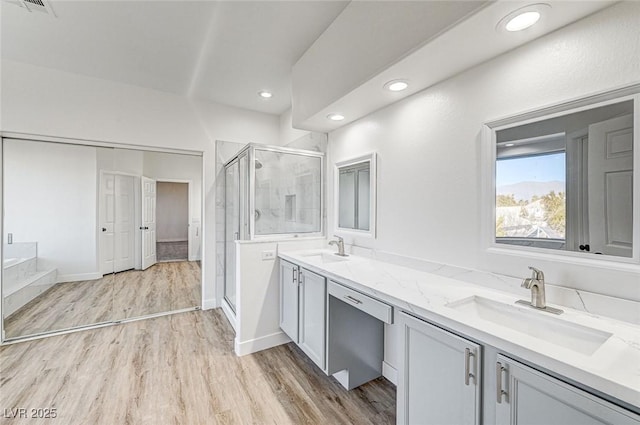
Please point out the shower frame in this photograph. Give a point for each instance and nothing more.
(249, 149)
(249, 207)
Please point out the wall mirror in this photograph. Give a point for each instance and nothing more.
(95, 235)
(355, 188)
(566, 181)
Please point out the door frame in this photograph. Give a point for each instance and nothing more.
(189, 183)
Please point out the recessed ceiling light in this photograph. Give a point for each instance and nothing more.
(335, 117)
(523, 17)
(265, 94)
(522, 21)
(396, 85)
(510, 144)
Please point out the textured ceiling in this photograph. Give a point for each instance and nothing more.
(219, 51)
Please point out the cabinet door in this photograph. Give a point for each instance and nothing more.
(313, 296)
(527, 396)
(289, 299)
(439, 379)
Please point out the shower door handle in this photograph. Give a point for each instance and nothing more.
(236, 236)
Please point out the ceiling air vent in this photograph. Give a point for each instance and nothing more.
(34, 5)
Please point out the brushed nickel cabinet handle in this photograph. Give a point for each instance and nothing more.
(467, 367)
(499, 391)
(352, 299)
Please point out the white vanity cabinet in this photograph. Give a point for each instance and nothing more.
(289, 299)
(303, 310)
(439, 380)
(525, 396)
(312, 316)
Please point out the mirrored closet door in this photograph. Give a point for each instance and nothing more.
(95, 235)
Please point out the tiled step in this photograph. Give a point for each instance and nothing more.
(29, 288)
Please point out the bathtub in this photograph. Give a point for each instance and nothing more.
(16, 273)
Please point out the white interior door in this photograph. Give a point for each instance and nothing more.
(610, 181)
(124, 237)
(107, 222)
(148, 222)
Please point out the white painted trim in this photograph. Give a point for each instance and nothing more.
(77, 277)
(259, 344)
(390, 372)
(228, 312)
(99, 143)
(371, 158)
(581, 103)
(209, 304)
(488, 158)
(16, 340)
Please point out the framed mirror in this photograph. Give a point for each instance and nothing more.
(563, 179)
(355, 193)
(95, 235)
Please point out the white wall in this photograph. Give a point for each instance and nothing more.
(48, 102)
(232, 125)
(50, 198)
(258, 291)
(172, 212)
(429, 146)
(287, 133)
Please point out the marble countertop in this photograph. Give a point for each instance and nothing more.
(612, 369)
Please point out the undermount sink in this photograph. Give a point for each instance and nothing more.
(325, 257)
(537, 324)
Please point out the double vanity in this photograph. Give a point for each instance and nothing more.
(467, 354)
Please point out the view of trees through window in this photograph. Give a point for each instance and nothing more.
(531, 197)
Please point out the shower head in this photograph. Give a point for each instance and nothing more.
(257, 163)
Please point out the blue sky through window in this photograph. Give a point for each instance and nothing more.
(540, 168)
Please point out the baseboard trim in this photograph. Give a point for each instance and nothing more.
(390, 372)
(229, 314)
(259, 344)
(209, 304)
(78, 277)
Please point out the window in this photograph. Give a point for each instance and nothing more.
(355, 194)
(531, 197)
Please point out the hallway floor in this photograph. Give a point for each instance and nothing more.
(179, 369)
(172, 251)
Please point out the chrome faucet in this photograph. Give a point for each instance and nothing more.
(536, 284)
(340, 244)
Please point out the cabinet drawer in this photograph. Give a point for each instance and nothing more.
(375, 308)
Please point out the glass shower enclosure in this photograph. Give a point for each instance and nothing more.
(270, 192)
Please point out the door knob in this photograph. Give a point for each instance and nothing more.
(104, 229)
(585, 247)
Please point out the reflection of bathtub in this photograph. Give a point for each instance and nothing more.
(21, 280)
(16, 273)
(8, 262)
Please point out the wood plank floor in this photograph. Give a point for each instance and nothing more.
(178, 369)
(162, 287)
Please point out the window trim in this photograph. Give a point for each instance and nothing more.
(354, 162)
(487, 192)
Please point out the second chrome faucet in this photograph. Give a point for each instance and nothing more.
(340, 244)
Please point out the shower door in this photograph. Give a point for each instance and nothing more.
(235, 196)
